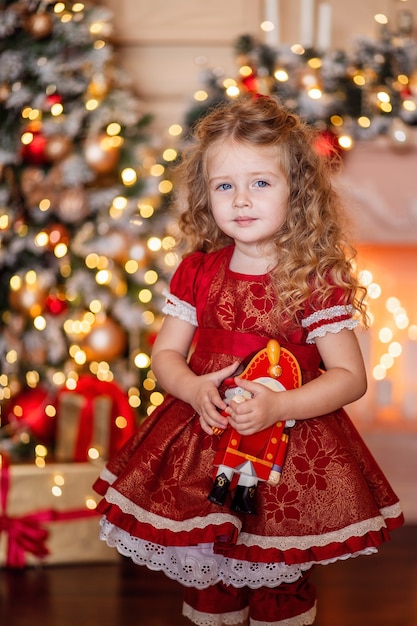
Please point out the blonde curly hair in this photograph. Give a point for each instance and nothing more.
(313, 252)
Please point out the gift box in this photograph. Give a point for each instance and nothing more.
(96, 414)
(48, 516)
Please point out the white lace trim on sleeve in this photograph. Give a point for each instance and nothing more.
(179, 308)
(328, 323)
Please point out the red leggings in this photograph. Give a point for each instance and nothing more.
(286, 605)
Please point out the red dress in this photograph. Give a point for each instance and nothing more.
(332, 501)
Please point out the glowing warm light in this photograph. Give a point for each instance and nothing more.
(39, 322)
(379, 372)
(148, 318)
(395, 349)
(359, 79)
(142, 360)
(93, 453)
(385, 335)
(364, 122)
(121, 422)
(315, 63)
(281, 75)
(409, 105)
(165, 186)
(154, 244)
(233, 91)
(156, 398)
(113, 129)
(170, 154)
(315, 93)
(345, 142)
(92, 104)
(401, 319)
(336, 120)
(201, 95)
(412, 332)
(151, 277)
(129, 176)
(157, 170)
(119, 203)
(297, 48)
(245, 70)
(41, 450)
(383, 96)
(175, 130)
(57, 109)
(386, 107)
(145, 295)
(60, 250)
(26, 138)
(149, 384)
(392, 304)
(380, 18)
(374, 291)
(267, 26)
(387, 361)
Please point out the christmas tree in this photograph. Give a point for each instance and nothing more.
(85, 251)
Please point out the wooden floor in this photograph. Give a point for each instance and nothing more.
(378, 590)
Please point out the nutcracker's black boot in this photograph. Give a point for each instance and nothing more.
(243, 500)
(220, 488)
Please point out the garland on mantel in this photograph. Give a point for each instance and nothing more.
(362, 94)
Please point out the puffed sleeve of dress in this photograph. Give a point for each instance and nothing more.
(182, 296)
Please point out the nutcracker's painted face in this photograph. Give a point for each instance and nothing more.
(248, 192)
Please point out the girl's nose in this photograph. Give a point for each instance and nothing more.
(241, 199)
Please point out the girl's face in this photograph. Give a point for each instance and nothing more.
(248, 192)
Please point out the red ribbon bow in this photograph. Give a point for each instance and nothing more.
(25, 533)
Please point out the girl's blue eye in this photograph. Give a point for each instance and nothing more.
(224, 186)
(261, 183)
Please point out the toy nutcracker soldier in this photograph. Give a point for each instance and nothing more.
(248, 459)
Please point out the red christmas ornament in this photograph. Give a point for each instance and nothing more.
(51, 99)
(326, 144)
(56, 304)
(58, 233)
(34, 151)
(27, 411)
(250, 83)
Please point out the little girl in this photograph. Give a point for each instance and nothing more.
(267, 259)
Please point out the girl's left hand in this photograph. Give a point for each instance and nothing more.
(257, 413)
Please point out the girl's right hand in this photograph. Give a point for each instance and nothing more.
(169, 364)
(204, 397)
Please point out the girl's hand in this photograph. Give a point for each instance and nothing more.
(204, 397)
(257, 413)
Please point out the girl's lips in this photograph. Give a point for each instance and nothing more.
(245, 221)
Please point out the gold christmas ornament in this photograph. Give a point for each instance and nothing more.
(28, 298)
(101, 154)
(39, 25)
(57, 147)
(72, 205)
(106, 340)
(31, 179)
(98, 86)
